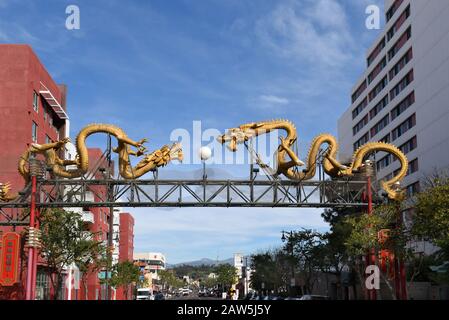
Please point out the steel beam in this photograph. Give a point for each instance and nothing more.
(198, 193)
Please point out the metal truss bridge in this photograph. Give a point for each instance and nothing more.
(265, 191)
(189, 193)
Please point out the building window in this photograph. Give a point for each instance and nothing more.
(378, 107)
(376, 52)
(386, 139)
(384, 162)
(412, 189)
(380, 86)
(388, 177)
(393, 9)
(380, 125)
(42, 286)
(400, 43)
(35, 101)
(402, 106)
(377, 70)
(404, 127)
(413, 167)
(409, 146)
(359, 91)
(359, 126)
(34, 132)
(48, 139)
(399, 22)
(402, 85)
(401, 64)
(361, 141)
(359, 108)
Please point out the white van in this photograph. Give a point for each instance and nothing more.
(145, 294)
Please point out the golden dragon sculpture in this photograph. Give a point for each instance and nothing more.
(158, 158)
(287, 159)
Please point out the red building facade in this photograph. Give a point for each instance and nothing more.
(126, 237)
(126, 248)
(32, 110)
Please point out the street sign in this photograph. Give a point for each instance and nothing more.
(102, 275)
(9, 263)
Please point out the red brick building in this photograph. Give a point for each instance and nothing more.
(126, 237)
(32, 109)
(126, 248)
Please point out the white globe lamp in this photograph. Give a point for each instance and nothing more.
(205, 153)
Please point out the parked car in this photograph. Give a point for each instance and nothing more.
(159, 296)
(185, 291)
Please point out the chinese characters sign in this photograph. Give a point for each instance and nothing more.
(9, 258)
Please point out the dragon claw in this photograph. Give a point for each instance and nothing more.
(141, 142)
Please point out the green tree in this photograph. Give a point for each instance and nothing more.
(431, 213)
(93, 263)
(271, 271)
(124, 274)
(209, 282)
(169, 279)
(65, 241)
(364, 236)
(303, 246)
(333, 256)
(226, 275)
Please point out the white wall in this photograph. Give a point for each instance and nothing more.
(430, 41)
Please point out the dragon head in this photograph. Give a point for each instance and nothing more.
(163, 156)
(238, 135)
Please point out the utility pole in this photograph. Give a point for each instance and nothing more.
(371, 258)
(110, 191)
(33, 241)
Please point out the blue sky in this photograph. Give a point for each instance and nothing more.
(153, 66)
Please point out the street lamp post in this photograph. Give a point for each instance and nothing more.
(205, 153)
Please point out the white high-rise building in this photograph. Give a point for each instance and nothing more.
(403, 95)
(238, 263)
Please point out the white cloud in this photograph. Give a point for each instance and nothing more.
(315, 32)
(274, 99)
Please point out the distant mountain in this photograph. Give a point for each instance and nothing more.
(203, 261)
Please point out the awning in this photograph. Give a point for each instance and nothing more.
(52, 102)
